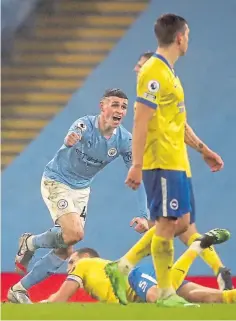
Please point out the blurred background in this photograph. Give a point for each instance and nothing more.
(58, 57)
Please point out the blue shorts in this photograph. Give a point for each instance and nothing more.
(168, 193)
(142, 278)
(192, 202)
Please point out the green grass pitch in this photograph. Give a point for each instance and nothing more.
(103, 311)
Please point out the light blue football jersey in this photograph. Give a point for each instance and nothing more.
(77, 166)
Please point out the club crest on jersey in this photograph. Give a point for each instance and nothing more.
(82, 126)
(153, 86)
(112, 152)
(62, 204)
(174, 204)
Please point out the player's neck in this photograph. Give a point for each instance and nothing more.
(104, 129)
(169, 54)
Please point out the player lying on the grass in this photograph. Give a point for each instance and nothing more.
(142, 279)
(92, 143)
(209, 255)
(86, 270)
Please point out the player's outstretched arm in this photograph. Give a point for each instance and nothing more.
(213, 160)
(68, 288)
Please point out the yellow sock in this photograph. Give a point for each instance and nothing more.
(163, 256)
(181, 267)
(209, 255)
(141, 249)
(229, 296)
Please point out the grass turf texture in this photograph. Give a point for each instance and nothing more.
(103, 311)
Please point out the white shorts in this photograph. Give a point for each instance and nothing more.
(61, 199)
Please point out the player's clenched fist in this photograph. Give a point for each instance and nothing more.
(134, 177)
(71, 139)
(140, 224)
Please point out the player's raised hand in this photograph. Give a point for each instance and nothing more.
(134, 177)
(140, 224)
(213, 160)
(71, 139)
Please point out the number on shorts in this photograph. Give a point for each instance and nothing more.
(84, 213)
(143, 285)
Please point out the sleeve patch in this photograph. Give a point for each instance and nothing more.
(153, 86)
(150, 96)
(82, 126)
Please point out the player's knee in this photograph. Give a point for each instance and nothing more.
(73, 236)
(72, 229)
(64, 253)
(78, 235)
(183, 225)
(183, 237)
(182, 228)
(165, 227)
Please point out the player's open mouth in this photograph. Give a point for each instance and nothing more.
(116, 118)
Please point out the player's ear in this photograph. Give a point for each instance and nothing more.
(86, 255)
(179, 37)
(102, 105)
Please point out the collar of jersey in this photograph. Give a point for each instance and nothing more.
(164, 60)
(96, 126)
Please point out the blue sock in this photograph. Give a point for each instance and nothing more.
(45, 267)
(51, 239)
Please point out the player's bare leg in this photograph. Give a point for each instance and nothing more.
(211, 257)
(201, 294)
(196, 293)
(72, 229)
